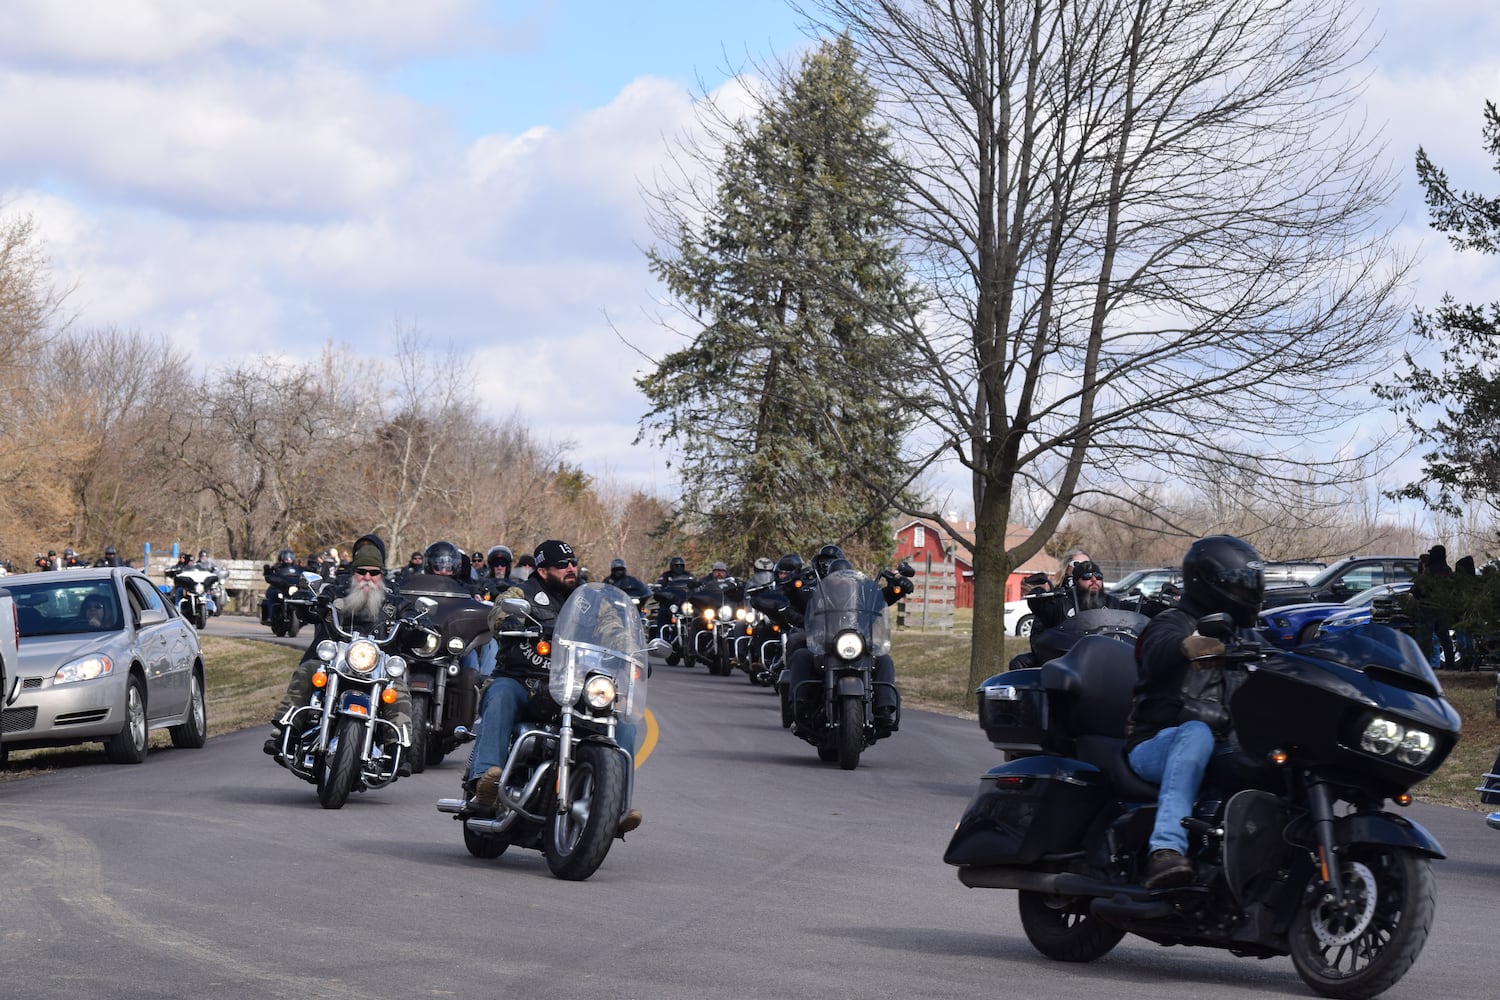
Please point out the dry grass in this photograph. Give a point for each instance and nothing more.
(933, 668)
(245, 679)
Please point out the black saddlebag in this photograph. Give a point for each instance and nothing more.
(1028, 808)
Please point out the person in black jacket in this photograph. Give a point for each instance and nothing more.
(1179, 720)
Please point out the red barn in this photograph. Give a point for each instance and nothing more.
(941, 562)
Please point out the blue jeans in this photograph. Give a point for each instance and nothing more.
(1174, 758)
(501, 703)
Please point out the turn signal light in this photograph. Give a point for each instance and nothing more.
(544, 647)
(1404, 799)
(1277, 757)
(388, 696)
(320, 678)
(358, 709)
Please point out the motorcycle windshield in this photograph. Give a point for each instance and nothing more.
(847, 601)
(599, 631)
(1379, 648)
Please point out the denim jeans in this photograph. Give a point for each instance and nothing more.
(501, 703)
(1175, 758)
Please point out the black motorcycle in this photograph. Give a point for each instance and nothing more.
(290, 591)
(767, 625)
(846, 629)
(711, 618)
(1294, 853)
(445, 623)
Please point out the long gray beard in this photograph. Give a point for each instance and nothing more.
(363, 602)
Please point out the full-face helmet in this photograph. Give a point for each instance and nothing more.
(442, 559)
(1224, 573)
(825, 556)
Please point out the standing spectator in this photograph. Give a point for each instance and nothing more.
(1432, 591)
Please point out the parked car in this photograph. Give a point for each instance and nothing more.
(1343, 580)
(1294, 624)
(1357, 615)
(1286, 572)
(1147, 581)
(102, 657)
(1018, 617)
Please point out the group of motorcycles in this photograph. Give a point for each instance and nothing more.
(727, 626)
(1295, 853)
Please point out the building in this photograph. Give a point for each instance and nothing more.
(945, 569)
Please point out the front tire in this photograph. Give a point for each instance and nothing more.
(1365, 949)
(341, 764)
(1061, 927)
(575, 842)
(421, 721)
(193, 732)
(128, 746)
(486, 846)
(851, 736)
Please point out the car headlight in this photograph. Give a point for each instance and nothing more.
(849, 645)
(85, 668)
(362, 656)
(599, 692)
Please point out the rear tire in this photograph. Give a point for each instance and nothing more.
(1363, 954)
(341, 764)
(193, 732)
(576, 842)
(1061, 927)
(128, 746)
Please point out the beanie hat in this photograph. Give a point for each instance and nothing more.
(368, 551)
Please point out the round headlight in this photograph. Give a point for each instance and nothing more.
(1381, 736)
(327, 650)
(726, 612)
(849, 645)
(1416, 746)
(687, 607)
(362, 656)
(455, 645)
(427, 645)
(395, 666)
(599, 692)
(708, 614)
(741, 614)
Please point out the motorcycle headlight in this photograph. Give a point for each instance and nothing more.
(455, 645)
(327, 650)
(395, 666)
(1416, 746)
(427, 645)
(726, 611)
(1381, 736)
(290, 591)
(599, 692)
(708, 614)
(849, 645)
(741, 614)
(84, 669)
(686, 607)
(362, 656)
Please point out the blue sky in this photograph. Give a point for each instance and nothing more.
(247, 177)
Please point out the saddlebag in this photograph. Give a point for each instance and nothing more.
(1013, 710)
(1028, 808)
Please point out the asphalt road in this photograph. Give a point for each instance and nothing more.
(759, 872)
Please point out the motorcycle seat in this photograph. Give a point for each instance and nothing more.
(1108, 755)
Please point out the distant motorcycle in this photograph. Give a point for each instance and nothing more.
(712, 617)
(290, 591)
(566, 782)
(767, 627)
(193, 593)
(338, 741)
(444, 623)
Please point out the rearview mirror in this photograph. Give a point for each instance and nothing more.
(1217, 626)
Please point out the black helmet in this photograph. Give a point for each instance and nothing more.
(498, 555)
(442, 558)
(1223, 573)
(826, 555)
(617, 564)
(788, 565)
(110, 550)
(677, 565)
(763, 564)
(286, 557)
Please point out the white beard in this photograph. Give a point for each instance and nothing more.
(365, 598)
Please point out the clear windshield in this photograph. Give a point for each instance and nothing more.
(847, 601)
(66, 608)
(599, 630)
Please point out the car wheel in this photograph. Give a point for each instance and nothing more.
(128, 746)
(1023, 627)
(193, 732)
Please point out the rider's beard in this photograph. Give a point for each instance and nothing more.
(365, 597)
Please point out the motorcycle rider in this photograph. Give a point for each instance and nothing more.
(1176, 727)
(495, 577)
(413, 566)
(520, 674)
(672, 587)
(620, 577)
(362, 600)
(111, 557)
(762, 574)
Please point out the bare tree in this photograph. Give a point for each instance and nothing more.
(1148, 230)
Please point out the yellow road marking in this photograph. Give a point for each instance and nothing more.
(649, 743)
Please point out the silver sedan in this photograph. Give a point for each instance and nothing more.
(103, 657)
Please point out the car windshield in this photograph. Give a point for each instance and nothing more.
(1368, 596)
(1131, 579)
(66, 607)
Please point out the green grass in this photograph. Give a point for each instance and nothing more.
(244, 680)
(933, 669)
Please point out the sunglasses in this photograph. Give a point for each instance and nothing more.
(366, 571)
(561, 563)
(1091, 576)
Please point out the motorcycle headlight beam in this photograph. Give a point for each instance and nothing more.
(599, 692)
(362, 656)
(849, 646)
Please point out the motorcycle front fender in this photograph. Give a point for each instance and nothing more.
(850, 684)
(356, 702)
(1387, 830)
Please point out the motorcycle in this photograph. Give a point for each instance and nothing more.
(1294, 854)
(289, 592)
(767, 625)
(566, 782)
(338, 741)
(712, 618)
(193, 592)
(445, 623)
(847, 629)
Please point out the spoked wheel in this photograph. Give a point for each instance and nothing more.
(1062, 928)
(341, 763)
(1364, 947)
(851, 731)
(128, 746)
(576, 841)
(421, 712)
(193, 732)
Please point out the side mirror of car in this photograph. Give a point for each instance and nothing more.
(150, 616)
